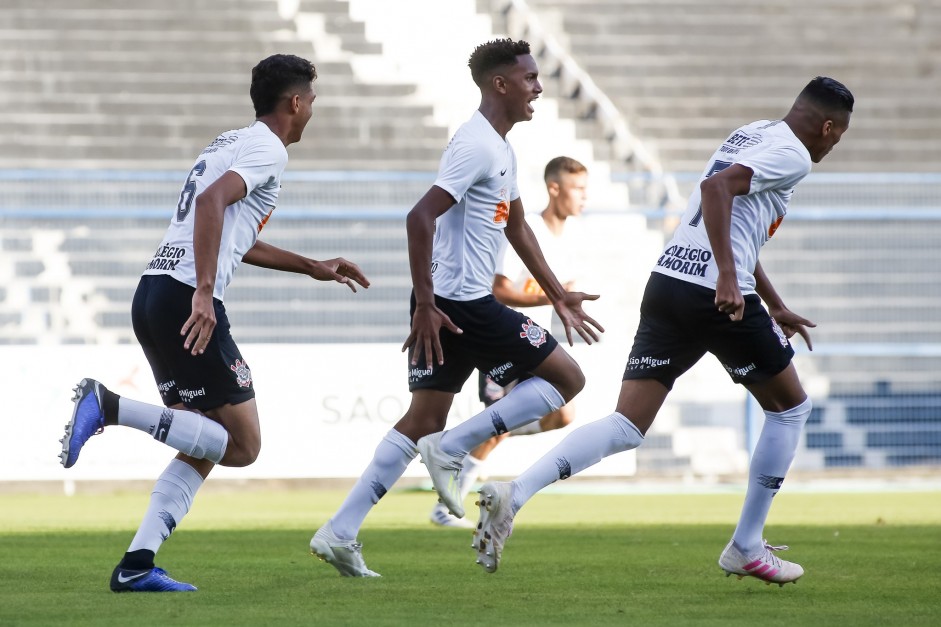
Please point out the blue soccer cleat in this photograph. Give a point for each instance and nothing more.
(88, 419)
(147, 580)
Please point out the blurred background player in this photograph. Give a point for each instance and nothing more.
(180, 321)
(705, 295)
(455, 232)
(514, 285)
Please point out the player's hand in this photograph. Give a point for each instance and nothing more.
(573, 316)
(425, 335)
(341, 271)
(729, 299)
(792, 324)
(199, 326)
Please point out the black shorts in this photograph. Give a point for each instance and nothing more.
(497, 340)
(679, 323)
(217, 377)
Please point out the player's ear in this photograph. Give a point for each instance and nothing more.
(498, 82)
(553, 188)
(827, 127)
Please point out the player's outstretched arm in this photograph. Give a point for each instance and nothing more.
(428, 319)
(265, 255)
(789, 321)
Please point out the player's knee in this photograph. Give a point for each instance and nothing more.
(573, 384)
(241, 455)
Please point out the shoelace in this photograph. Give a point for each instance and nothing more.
(770, 547)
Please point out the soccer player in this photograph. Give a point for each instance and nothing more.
(705, 295)
(514, 285)
(454, 234)
(179, 319)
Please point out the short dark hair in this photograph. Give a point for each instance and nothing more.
(492, 55)
(275, 76)
(830, 95)
(557, 166)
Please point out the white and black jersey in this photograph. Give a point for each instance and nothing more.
(478, 170)
(779, 162)
(259, 157)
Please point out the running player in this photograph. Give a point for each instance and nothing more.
(180, 321)
(705, 295)
(454, 234)
(514, 285)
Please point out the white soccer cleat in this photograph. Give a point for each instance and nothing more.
(445, 472)
(766, 566)
(495, 524)
(344, 555)
(442, 518)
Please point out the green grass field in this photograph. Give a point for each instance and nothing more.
(871, 559)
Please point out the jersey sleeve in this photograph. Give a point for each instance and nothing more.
(777, 166)
(259, 161)
(462, 165)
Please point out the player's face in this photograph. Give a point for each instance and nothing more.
(830, 136)
(523, 87)
(305, 111)
(571, 193)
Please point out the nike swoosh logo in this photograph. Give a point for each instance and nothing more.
(502, 172)
(123, 579)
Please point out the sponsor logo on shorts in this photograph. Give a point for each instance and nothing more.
(534, 333)
(188, 395)
(166, 386)
(495, 373)
(646, 362)
(777, 331)
(417, 374)
(243, 376)
(739, 371)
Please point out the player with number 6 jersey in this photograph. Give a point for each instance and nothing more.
(209, 413)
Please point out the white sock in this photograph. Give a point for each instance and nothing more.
(530, 400)
(773, 455)
(170, 500)
(531, 429)
(186, 431)
(584, 447)
(469, 472)
(390, 460)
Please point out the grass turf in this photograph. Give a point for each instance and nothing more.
(871, 559)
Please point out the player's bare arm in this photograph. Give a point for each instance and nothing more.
(567, 304)
(207, 233)
(789, 321)
(428, 319)
(718, 191)
(265, 255)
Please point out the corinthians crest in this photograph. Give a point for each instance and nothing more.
(243, 376)
(533, 332)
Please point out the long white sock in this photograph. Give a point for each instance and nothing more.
(530, 400)
(470, 470)
(186, 431)
(584, 447)
(170, 500)
(773, 455)
(390, 460)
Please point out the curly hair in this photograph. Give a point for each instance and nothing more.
(492, 55)
(273, 77)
